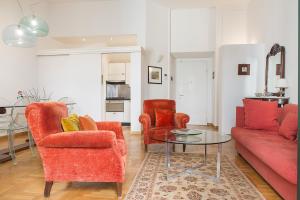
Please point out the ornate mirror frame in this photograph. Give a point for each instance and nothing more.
(276, 48)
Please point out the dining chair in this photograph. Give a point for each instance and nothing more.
(13, 120)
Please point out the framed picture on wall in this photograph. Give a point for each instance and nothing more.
(154, 75)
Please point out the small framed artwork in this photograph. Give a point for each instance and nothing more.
(244, 69)
(154, 75)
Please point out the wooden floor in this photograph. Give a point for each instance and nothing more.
(25, 180)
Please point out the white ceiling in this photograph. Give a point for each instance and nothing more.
(200, 3)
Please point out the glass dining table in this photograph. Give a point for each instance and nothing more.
(5, 153)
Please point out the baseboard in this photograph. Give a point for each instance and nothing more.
(212, 125)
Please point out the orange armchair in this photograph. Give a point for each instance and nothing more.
(83, 156)
(147, 119)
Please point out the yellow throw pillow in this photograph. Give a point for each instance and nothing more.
(70, 123)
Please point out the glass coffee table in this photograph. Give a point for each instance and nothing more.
(192, 137)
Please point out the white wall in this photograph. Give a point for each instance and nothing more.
(156, 49)
(193, 30)
(276, 21)
(17, 65)
(234, 88)
(74, 76)
(231, 28)
(84, 18)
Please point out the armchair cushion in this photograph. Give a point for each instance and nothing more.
(70, 123)
(80, 139)
(164, 117)
(87, 123)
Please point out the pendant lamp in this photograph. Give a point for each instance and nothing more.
(36, 25)
(18, 36)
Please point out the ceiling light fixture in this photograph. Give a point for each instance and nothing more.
(37, 25)
(24, 34)
(18, 36)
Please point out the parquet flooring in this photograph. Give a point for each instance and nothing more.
(25, 180)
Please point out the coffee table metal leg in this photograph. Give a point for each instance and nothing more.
(205, 153)
(219, 161)
(167, 159)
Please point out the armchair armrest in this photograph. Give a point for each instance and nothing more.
(111, 126)
(80, 139)
(181, 120)
(145, 120)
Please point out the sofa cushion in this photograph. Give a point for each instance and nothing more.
(261, 115)
(164, 117)
(288, 108)
(276, 152)
(289, 126)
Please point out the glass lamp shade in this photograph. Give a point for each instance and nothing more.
(18, 36)
(37, 25)
(282, 83)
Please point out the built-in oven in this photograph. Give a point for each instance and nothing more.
(114, 106)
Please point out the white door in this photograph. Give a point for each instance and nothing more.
(191, 89)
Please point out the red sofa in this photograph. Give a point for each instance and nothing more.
(147, 119)
(271, 155)
(83, 156)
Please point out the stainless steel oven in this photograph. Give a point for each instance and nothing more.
(114, 106)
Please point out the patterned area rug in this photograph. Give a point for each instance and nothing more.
(150, 182)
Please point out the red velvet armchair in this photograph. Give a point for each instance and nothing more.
(147, 119)
(83, 156)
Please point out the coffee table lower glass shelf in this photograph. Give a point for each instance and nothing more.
(192, 137)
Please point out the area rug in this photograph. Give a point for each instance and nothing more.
(150, 182)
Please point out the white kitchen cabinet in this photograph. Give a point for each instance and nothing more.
(116, 72)
(127, 67)
(114, 116)
(127, 111)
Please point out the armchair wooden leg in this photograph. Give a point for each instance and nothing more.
(119, 189)
(173, 147)
(184, 147)
(146, 147)
(48, 186)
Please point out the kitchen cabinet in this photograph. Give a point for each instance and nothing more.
(114, 116)
(116, 72)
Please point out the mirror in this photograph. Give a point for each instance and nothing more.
(275, 69)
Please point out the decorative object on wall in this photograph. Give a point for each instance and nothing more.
(26, 32)
(280, 68)
(282, 85)
(154, 75)
(244, 69)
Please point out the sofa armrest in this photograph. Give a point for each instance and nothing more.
(80, 139)
(181, 120)
(111, 126)
(145, 120)
(240, 117)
